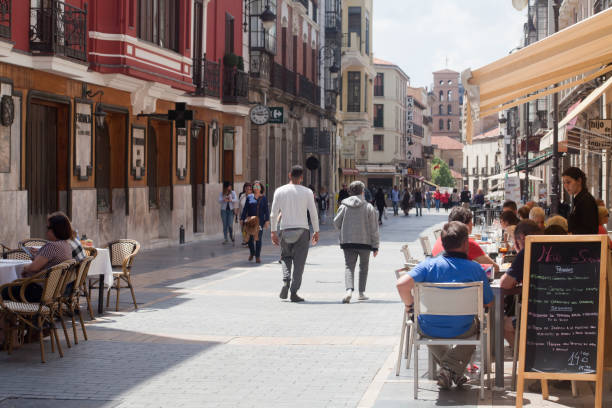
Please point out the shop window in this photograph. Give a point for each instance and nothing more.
(379, 143)
(158, 22)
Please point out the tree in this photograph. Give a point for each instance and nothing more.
(440, 173)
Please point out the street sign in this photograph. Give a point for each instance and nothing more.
(259, 114)
(276, 114)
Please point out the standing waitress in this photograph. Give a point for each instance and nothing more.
(583, 217)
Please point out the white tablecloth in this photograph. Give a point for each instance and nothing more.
(10, 269)
(101, 265)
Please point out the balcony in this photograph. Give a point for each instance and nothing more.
(333, 22)
(206, 77)
(5, 19)
(379, 122)
(59, 28)
(352, 41)
(235, 86)
(260, 66)
(284, 79)
(307, 89)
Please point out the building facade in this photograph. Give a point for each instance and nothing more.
(483, 162)
(418, 135)
(96, 131)
(446, 113)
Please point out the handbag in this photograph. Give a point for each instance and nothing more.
(252, 224)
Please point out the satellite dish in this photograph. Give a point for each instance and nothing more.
(519, 4)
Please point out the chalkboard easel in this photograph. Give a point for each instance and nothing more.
(564, 311)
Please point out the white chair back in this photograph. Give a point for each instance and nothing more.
(449, 299)
(426, 246)
(437, 234)
(406, 251)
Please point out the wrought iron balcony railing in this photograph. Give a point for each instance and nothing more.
(260, 65)
(235, 86)
(5, 18)
(59, 28)
(307, 89)
(333, 21)
(206, 77)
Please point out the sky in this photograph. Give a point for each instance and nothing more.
(420, 35)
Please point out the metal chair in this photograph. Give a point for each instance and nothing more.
(122, 253)
(427, 251)
(17, 254)
(409, 261)
(459, 299)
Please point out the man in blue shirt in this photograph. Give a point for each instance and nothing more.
(395, 198)
(451, 266)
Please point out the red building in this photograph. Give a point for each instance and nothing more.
(92, 82)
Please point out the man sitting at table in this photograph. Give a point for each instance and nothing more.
(514, 275)
(452, 266)
(510, 205)
(54, 252)
(475, 252)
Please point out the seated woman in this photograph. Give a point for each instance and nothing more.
(56, 251)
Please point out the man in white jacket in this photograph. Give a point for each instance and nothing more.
(357, 221)
(294, 202)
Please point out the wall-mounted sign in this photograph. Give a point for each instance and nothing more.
(601, 134)
(83, 140)
(138, 152)
(277, 114)
(259, 114)
(181, 153)
(5, 135)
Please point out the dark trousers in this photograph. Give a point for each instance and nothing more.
(381, 211)
(255, 246)
(293, 255)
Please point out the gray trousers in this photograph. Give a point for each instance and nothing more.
(455, 358)
(294, 245)
(350, 260)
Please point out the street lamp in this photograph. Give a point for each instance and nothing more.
(268, 18)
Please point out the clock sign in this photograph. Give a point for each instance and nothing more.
(259, 114)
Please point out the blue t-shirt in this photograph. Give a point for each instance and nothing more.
(450, 268)
(394, 195)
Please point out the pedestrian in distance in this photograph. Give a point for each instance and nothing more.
(356, 221)
(247, 189)
(323, 204)
(343, 194)
(418, 202)
(294, 201)
(428, 198)
(445, 199)
(255, 217)
(466, 197)
(454, 200)
(405, 204)
(379, 199)
(229, 204)
(437, 198)
(395, 198)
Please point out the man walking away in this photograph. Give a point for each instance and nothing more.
(395, 200)
(466, 197)
(356, 220)
(294, 201)
(418, 202)
(452, 266)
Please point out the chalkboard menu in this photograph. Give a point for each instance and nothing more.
(563, 307)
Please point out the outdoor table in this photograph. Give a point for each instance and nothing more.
(10, 269)
(498, 330)
(101, 267)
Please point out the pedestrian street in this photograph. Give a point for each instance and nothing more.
(211, 331)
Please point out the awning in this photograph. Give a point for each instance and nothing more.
(572, 114)
(349, 172)
(502, 176)
(584, 48)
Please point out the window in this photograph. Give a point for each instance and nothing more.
(379, 143)
(229, 33)
(450, 96)
(451, 162)
(448, 124)
(259, 38)
(379, 85)
(367, 34)
(440, 110)
(441, 124)
(354, 92)
(354, 24)
(441, 82)
(158, 22)
(450, 109)
(450, 82)
(379, 115)
(441, 95)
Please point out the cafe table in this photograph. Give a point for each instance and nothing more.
(10, 269)
(101, 268)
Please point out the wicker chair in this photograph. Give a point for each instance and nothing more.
(32, 242)
(24, 314)
(122, 253)
(17, 254)
(70, 298)
(3, 249)
(93, 253)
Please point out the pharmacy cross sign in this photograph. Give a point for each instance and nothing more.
(180, 114)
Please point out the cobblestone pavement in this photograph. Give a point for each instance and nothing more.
(210, 331)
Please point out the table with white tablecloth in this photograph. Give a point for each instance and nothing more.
(10, 269)
(101, 268)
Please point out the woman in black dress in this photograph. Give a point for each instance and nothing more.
(583, 217)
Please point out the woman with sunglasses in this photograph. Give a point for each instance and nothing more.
(256, 205)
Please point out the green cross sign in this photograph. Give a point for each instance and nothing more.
(276, 114)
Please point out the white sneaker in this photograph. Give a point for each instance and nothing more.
(362, 296)
(347, 297)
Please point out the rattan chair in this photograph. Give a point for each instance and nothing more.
(32, 242)
(122, 253)
(17, 254)
(93, 253)
(35, 316)
(3, 249)
(70, 298)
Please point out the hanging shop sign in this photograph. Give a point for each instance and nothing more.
(277, 115)
(83, 126)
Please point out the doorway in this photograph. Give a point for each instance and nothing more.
(47, 162)
(197, 165)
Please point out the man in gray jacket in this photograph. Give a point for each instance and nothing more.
(357, 221)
